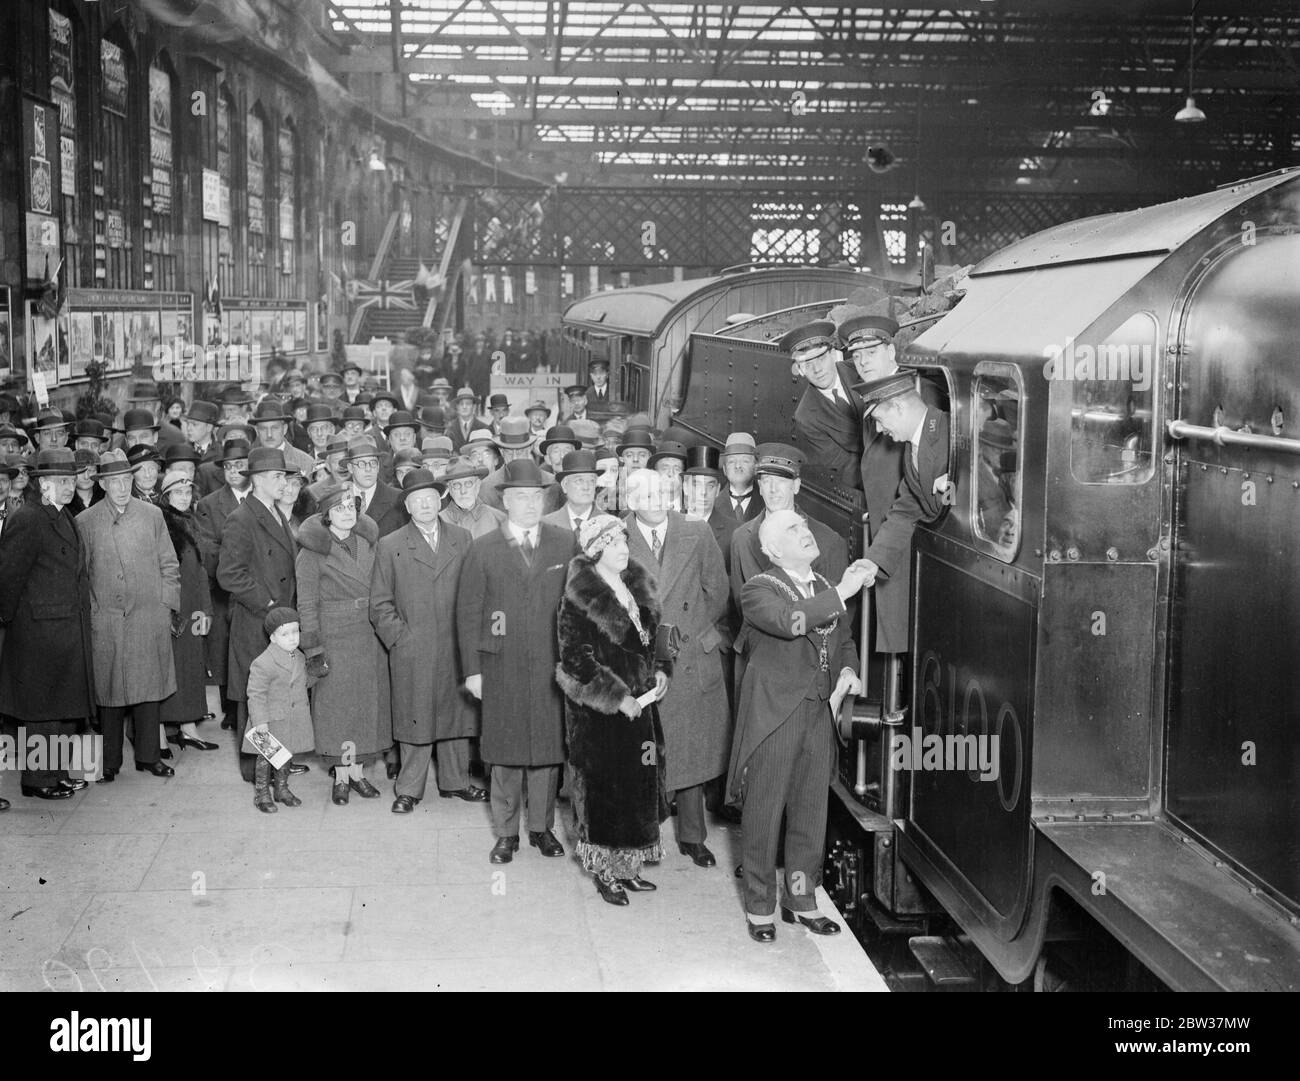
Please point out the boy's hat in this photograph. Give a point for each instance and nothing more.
(278, 617)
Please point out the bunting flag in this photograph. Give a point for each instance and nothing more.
(384, 294)
(507, 289)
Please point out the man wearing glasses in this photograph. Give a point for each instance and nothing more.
(464, 482)
(380, 501)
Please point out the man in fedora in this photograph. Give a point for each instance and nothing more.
(463, 481)
(135, 591)
(514, 442)
(400, 433)
(383, 404)
(51, 430)
(322, 425)
(481, 449)
(352, 388)
(827, 420)
(235, 405)
(577, 480)
(12, 440)
(506, 607)
(465, 422)
(199, 425)
(272, 424)
(537, 415)
(412, 606)
(89, 435)
(210, 514)
(256, 568)
(47, 682)
(380, 501)
(739, 462)
(684, 560)
(437, 453)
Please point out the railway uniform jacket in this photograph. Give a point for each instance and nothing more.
(46, 659)
(747, 558)
(256, 567)
(387, 509)
(916, 500)
(693, 594)
(781, 668)
(210, 514)
(506, 631)
(350, 702)
(413, 610)
(832, 433)
(135, 586)
(882, 476)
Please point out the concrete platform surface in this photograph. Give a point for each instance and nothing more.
(181, 885)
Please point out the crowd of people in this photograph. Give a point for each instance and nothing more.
(416, 587)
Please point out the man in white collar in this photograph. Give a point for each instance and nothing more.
(826, 419)
(798, 643)
(381, 501)
(739, 460)
(577, 477)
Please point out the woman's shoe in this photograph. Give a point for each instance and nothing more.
(197, 744)
(156, 768)
(612, 892)
(339, 794)
(166, 752)
(638, 884)
(363, 788)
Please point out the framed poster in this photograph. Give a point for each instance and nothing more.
(42, 345)
(83, 343)
(6, 335)
(63, 345)
(300, 329)
(113, 68)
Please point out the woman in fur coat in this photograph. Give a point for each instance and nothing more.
(608, 621)
(190, 702)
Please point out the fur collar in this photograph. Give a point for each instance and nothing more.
(590, 593)
(181, 529)
(314, 534)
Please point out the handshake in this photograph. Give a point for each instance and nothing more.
(860, 574)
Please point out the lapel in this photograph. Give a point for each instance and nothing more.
(270, 522)
(226, 501)
(637, 546)
(66, 528)
(438, 561)
(677, 551)
(517, 551)
(756, 549)
(357, 569)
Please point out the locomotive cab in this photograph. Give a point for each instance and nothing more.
(1096, 608)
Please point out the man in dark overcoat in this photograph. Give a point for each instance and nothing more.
(210, 514)
(683, 558)
(798, 643)
(827, 420)
(256, 567)
(413, 609)
(47, 681)
(382, 502)
(506, 606)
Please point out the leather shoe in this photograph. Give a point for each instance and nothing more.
(638, 884)
(296, 768)
(158, 769)
(698, 852)
(546, 843)
(504, 850)
(363, 788)
(392, 769)
(53, 791)
(73, 786)
(110, 775)
(197, 744)
(404, 805)
(166, 753)
(472, 794)
(818, 925)
(339, 793)
(611, 892)
(761, 932)
(228, 723)
(740, 870)
(4, 805)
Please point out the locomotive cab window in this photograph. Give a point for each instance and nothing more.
(1112, 403)
(996, 487)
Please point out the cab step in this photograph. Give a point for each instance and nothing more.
(943, 961)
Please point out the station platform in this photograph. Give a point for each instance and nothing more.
(182, 885)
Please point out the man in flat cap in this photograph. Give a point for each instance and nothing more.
(868, 344)
(506, 607)
(899, 410)
(827, 420)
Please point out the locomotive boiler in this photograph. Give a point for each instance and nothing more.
(1108, 608)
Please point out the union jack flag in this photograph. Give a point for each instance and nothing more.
(383, 294)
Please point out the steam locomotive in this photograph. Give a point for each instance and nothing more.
(1109, 604)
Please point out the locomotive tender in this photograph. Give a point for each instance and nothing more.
(1111, 594)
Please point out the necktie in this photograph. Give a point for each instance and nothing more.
(738, 505)
(432, 539)
(656, 545)
(527, 548)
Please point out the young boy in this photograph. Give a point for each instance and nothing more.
(277, 703)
